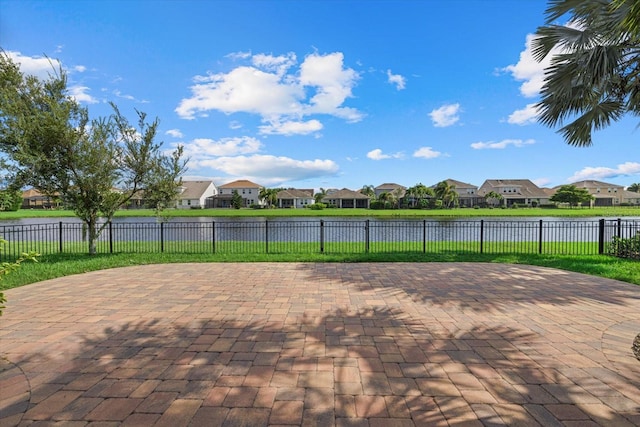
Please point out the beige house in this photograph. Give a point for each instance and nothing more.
(193, 194)
(604, 194)
(388, 187)
(33, 199)
(520, 191)
(249, 191)
(346, 198)
(467, 193)
(294, 198)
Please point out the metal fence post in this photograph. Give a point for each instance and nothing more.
(619, 228)
(540, 238)
(266, 236)
(60, 236)
(481, 235)
(366, 236)
(162, 237)
(321, 236)
(110, 237)
(424, 236)
(213, 236)
(601, 236)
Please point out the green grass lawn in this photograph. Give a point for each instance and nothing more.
(58, 265)
(624, 211)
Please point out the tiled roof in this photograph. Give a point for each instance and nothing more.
(194, 189)
(346, 194)
(525, 188)
(241, 183)
(389, 186)
(293, 193)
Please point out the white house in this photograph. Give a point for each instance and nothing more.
(193, 194)
(295, 198)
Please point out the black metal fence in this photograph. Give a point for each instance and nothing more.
(578, 237)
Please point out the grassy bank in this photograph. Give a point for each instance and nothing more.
(624, 211)
(58, 265)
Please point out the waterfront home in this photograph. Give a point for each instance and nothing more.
(516, 191)
(346, 198)
(193, 194)
(249, 191)
(295, 198)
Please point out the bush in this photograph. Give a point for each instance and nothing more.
(625, 248)
(317, 206)
(548, 206)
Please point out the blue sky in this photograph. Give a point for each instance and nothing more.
(328, 94)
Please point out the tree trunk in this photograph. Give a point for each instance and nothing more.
(93, 236)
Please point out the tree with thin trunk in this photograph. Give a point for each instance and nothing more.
(493, 199)
(594, 74)
(369, 191)
(320, 195)
(446, 193)
(95, 166)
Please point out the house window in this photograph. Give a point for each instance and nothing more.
(243, 191)
(189, 202)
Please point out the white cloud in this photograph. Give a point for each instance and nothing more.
(234, 124)
(446, 115)
(80, 68)
(175, 133)
(377, 154)
(601, 172)
(427, 153)
(200, 149)
(270, 170)
(80, 93)
(278, 64)
(502, 144)
(274, 89)
(527, 115)
(396, 79)
(528, 70)
(291, 128)
(38, 66)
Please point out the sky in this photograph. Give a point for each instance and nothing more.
(321, 94)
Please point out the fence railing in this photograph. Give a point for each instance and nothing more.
(577, 237)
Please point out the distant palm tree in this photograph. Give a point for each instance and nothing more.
(594, 76)
(446, 193)
(319, 196)
(493, 198)
(269, 195)
(417, 194)
(368, 190)
(634, 187)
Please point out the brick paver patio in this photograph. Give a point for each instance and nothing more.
(384, 344)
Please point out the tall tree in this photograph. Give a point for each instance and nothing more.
(594, 76)
(493, 199)
(418, 194)
(236, 200)
(95, 166)
(269, 195)
(446, 193)
(320, 195)
(572, 195)
(368, 190)
(634, 187)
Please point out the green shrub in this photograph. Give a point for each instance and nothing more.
(625, 248)
(317, 206)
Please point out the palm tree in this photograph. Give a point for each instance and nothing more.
(493, 198)
(418, 193)
(368, 191)
(269, 195)
(634, 187)
(446, 193)
(319, 196)
(594, 76)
